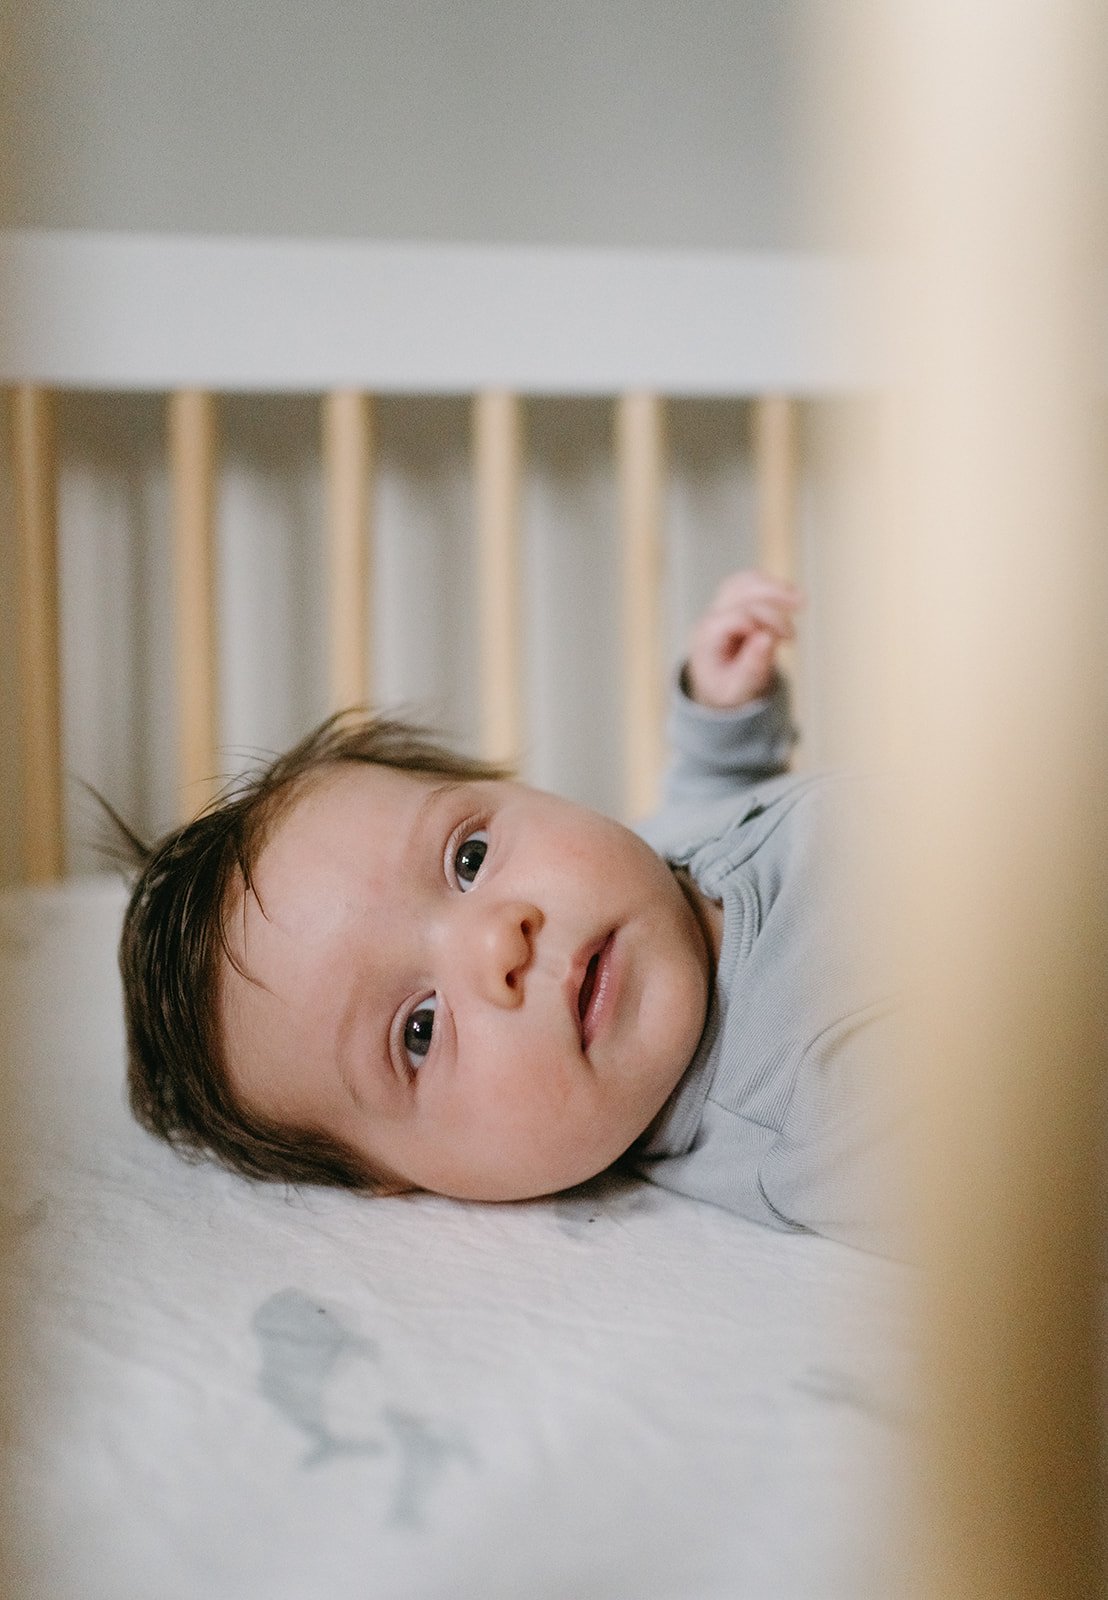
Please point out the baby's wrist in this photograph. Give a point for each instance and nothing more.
(749, 702)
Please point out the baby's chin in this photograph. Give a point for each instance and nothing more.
(491, 1190)
(546, 1178)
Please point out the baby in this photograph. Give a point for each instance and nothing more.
(383, 966)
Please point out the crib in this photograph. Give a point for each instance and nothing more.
(537, 1482)
(222, 1390)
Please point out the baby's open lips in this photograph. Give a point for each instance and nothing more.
(582, 984)
(588, 985)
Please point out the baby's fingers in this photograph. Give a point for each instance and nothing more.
(734, 675)
(749, 599)
(740, 617)
(740, 587)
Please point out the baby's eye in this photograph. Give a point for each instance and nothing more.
(468, 858)
(418, 1030)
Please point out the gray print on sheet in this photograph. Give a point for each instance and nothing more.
(422, 1455)
(302, 1343)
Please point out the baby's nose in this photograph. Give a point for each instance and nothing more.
(498, 946)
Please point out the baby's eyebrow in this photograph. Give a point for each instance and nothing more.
(414, 847)
(427, 806)
(356, 1008)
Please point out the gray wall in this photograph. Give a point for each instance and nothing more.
(583, 122)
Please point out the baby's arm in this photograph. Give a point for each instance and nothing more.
(729, 725)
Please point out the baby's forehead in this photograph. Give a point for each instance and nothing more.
(358, 809)
(336, 832)
(320, 793)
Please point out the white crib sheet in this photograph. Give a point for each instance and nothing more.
(221, 1390)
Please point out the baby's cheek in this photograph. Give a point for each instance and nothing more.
(676, 1006)
(527, 1124)
(577, 856)
(540, 1093)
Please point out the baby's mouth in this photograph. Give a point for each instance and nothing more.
(588, 985)
(595, 996)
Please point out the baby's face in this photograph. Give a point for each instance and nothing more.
(486, 990)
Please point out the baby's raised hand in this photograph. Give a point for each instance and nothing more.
(733, 646)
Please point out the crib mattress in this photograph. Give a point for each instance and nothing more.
(218, 1389)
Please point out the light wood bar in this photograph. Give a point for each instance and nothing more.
(36, 497)
(348, 452)
(498, 467)
(1001, 596)
(640, 455)
(776, 470)
(192, 447)
(776, 445)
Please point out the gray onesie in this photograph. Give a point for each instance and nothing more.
(785, 1113)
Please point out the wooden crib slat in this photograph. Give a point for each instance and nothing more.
(1000, 593)
(775, 455)
(498, 467)
(348, 447)
(37, 536)
(640, 452)
(192, 445)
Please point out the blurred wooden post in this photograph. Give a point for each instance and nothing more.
(640, 454)
(994, 189)
(192, 471)
(348, 464)
(776, 458)
(498, 468)
(36, 509)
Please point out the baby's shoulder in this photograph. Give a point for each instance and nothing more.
(744, 820)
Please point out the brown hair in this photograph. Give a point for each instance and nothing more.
(174, 936)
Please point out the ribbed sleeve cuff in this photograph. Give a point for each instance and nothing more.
(757, 739)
